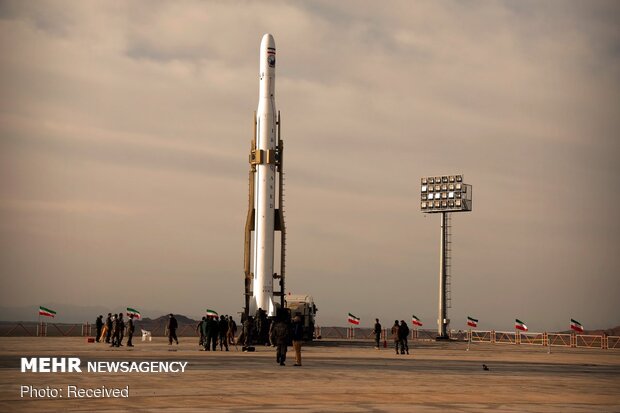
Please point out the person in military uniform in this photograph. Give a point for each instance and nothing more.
(232, 331)
(172, 329)
(108, 324)
(297, 332)
(395, 335)
(114, 331)
(279, 336)
(403, 334)
(200, 330)
(377, 332)
(99, 326)
(248, 332)
(121, 330)
(130, 330)
(223, 332)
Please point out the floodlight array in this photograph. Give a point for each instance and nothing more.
(446, 193)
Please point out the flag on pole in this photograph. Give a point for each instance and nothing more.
(46, 312)
(211, 313)
(416, 321)
(520, 325)
(353, 320)
(132, 311)
(576, 325)
(472, 322)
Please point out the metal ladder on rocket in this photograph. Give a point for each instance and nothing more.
(265, 202)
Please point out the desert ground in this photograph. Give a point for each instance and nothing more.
(335, 377)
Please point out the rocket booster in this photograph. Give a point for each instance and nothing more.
(265, 182)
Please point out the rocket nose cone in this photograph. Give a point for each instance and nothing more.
(267, 42)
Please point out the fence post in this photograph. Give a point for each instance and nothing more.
(573, 340)
(545, 339)
(604, 342)
(493, 336)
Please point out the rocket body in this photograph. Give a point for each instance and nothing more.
(265, 183)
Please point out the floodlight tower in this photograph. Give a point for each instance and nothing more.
(444, 194)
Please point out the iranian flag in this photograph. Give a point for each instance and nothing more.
(520, 325)
(353, 320)
(416, 321)
(576, 325)
(46, 312)
(132, 311)
(472, 322)
(211, 313)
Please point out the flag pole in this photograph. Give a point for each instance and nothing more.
(468, 339)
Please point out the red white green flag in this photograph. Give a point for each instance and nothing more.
(353, 320)
(46, 312)
(416, 321)
(576, 325)
(472, 322)
(132, 311)
(520, 325)
(211, 313)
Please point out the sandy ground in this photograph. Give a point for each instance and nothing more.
(335, 377)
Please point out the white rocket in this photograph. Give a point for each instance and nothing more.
(265, 182)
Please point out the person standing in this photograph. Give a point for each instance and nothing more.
(395, 336)
(130, 330)
(199, 330)
(108, 324)
(377, 332)
(115, 334)
(223, 331)
(279, 336)
(248, 332)
(298, 337)
(99, 326)
(403, 334)
(121, 330)
(232, 331)
(211, 333)
(172, 330)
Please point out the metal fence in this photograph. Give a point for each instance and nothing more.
(545, 339)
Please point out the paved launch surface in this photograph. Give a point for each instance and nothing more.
(436, 377)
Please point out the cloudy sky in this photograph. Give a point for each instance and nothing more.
(125, 129)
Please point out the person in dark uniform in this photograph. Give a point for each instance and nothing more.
(232, 331)
(121, 330)
(279, 336)
(130, 330)
(108, 323)
(114, 331)
(403, 334)
(172, 329)
(99, 326)
(223, 332)
(212, 333)
(377, 332)
(395, 336)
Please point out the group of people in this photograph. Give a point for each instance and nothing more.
(400, 335)
(213, 331)
(113, 330)
(281, 332)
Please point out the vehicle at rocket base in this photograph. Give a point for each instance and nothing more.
(265, 183)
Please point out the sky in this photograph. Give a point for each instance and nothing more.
(125, 129)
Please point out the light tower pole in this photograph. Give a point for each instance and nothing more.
(444, 194)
